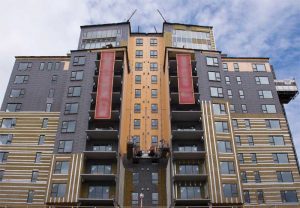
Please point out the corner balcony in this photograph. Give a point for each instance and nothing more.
(287, 90)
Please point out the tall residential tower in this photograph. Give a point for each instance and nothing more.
(147, 120)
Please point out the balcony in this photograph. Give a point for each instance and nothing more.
(89, 154)
(103, 133)
(287, 90)
(191, 202)
(173, 68)
(191, 177)
(187, 131)
(92, 177)
(189, 155)
(188, 115)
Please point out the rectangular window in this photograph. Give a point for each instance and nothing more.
(15, 93)
(229, 92)
(135, 178)
(276, 140)
(154, 93)
(8, 123)
(214, 76)
(219, 109)
(71, 108)
(21, 79)
(138, 66)
(260, 197)
(153, 53)
(235, 124)
(139, 54)
(237, 140)
(154, 124)
(216, 92)
(137, 107)
(225, 67)
(134, 198)
(247, 196)
(153, 42)
(30, 196)
(38, 157)
(3, 157)
(212, 61)
(138, 79)
(224, 147)
(250, 141)
(98, 192)
(227, 167)
(78, 60)
(61, 167)
(280, 158)
(247, 124)
(68, 126)
(154, 178)
(76, 75)
(236, 67)
(155, 198)
(190, 192)
(65, 146)
(238, 80)
(244, 176)
(137, 93)
(289, 196)
(241, 93)
(13, 107)
(101, 169)
(227, 80)
(257, 177)
(273, 124)
(153, 79)
(285, 176)
(42, 66)
(137, 123)
(262, 80)
(244, 108)
(259, 67)
(139, 42)
(54, 78)
(41, 140)
(74, 91)
(136, 140)
(154, 140)
(24, 66)
(48, 107)
(230, 190)
(153, 66)
(265, 94)
(45, 123)
(232, 108)
(241, 158)
(57, 65)
(188, 169)
(221, 126)
(154, 108)
(5, 138)
(58, 190)
(34, 176)
(49, 66)
(253, 158)
(268, 108)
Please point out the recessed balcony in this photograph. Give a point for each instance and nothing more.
(90, 154)
(98, 177)
(186, 115)
(103, 133)
(189, 154)
(190, 177)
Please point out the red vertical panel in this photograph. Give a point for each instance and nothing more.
(105, 85)
(185, 79)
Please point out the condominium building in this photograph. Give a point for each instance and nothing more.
(147, 120)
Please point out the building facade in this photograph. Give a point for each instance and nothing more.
(147, 120)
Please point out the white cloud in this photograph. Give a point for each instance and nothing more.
(242, 28)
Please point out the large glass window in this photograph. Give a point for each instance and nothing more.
(216, 92)
(102, 147)
(221, 126)
(212, 61)
(276, 140)
(8, 123)
(68, 126)
(265, 94)
(24, 66)
(224, 146)
(227, 167)
(273, 124)
(21, 79)
(15, 93)
(230, 190)
(219, 109)
(99, 192)
(65, 146)
(79, 60)
(280, 158)
(74, 91)
(262, 80)
(190, 192)
(13, 107)
(259, 67)
(188, 169)
(268, 108)
(289, 196)
(58, 190)
(5, 138)
(61, 167)
(214, 76)
(71, 108)
(76, 75)
(101, 169)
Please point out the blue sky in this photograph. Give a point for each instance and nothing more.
(269, 28)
